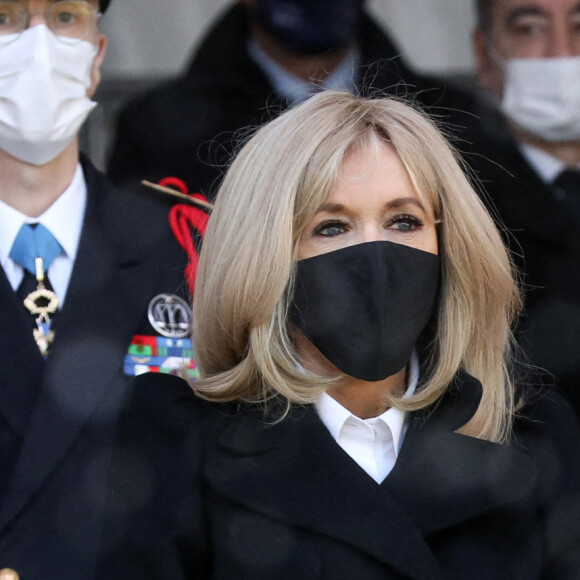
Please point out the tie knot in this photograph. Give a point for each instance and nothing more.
(34, 241)
(568, 182)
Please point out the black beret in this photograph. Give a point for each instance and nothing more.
(103, 5)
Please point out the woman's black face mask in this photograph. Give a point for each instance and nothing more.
(363, 307)
(310, 26)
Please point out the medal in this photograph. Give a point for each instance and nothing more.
(42, 303)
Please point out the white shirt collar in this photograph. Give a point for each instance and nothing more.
(334, 415)
(295, 89)
(64, 219)
(545, 165)
(11, 221)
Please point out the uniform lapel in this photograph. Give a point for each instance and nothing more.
(18, 381)
(293, 471)
(98, 319)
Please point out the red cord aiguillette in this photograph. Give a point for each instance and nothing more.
(183, 219)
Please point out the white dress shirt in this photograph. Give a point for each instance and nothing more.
(545, 165)
(294, 89)
(373, 443)
(64, 219)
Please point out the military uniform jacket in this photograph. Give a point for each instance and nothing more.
(57, 418)
(202, 490)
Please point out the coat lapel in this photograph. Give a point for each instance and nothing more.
(524, 202)
(276, 470)
(444, 478)
(96, 324)
(294, 471)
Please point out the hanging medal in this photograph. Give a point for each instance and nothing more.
(42, 303)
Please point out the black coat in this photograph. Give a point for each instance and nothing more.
(543, 232)
(202, 490)
(189, 127)
(57, 419)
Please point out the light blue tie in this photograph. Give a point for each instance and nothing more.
(34, 241)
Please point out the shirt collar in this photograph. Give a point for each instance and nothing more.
(546, 166)
(334, 415)
(64, 219)
(295, 89)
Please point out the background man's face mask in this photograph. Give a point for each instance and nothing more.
(310, 26)
(43, 93)
(364, 307)
(542, 96)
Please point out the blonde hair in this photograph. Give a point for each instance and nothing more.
(272, 190)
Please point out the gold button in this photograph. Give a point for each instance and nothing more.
(9, 574)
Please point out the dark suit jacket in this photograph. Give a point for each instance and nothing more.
(189, 127)
(543, 232)
(58, 418)
(202, 490)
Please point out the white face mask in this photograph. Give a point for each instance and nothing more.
(43, 93)
(542, 96)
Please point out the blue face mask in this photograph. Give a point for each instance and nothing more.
(310, 26)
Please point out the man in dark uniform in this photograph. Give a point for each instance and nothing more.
(260, 57)
(527, 156)
(88, 287)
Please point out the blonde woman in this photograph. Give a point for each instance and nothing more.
(357, 415)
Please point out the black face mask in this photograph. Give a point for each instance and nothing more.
(365, 306)
(310, 26)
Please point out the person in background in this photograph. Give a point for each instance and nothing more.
(88, 275)
(357, 414)
(260, 57)
(526, 154)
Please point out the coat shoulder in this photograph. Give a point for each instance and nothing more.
(162, 399)
(154, 485)
(548, 430)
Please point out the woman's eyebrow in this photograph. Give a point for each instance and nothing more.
(331, 207)
(400, 201)
(395, 203)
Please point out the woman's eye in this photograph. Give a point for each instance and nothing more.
(330, 229)
(405, 223)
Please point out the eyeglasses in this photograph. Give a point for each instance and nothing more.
(67, 19)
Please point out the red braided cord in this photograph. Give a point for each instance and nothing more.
(182, 218)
